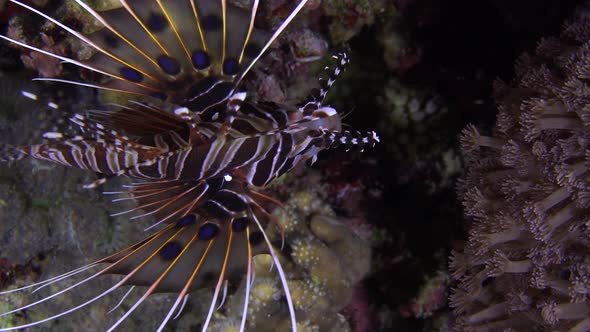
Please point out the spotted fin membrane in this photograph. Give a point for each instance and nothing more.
(201, 158)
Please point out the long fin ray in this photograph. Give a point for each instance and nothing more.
(64, 313)
(281, 273)
(81, 36)
(186, 208)
(186, 287)
(104, 22)
(163, 203)
(223, 29)
(253, 12)
(168, 199)
(198, 24)
(274, 36)
(41, 284)
(176, 31)
(139, 91)
(122, 299)
(249, 278)
(59, 57)
(145, 28)
(219, 282)
(101, 272)
(184, 300)
(160, 277)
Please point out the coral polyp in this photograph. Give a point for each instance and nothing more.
(526, 260)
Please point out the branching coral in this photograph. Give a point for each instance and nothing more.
(525, 266)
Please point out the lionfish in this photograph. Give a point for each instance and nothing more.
(202, 155)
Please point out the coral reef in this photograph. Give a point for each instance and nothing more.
(415, 127)
(359, 311)
(525, 265)
(28, 28)
(349, 17)
(431, 297)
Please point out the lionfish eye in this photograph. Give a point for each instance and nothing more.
(208, 231)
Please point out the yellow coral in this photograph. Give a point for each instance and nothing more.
(306, 253)
(263, 291)
(288, 220)
(353, 253)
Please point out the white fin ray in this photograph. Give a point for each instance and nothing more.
(249, 281)
(122, 299)
(184, 291)
(281, 273)
(79, 36)
(50, 281)
(219, 282)
(113, 30)
(67, 289)
(250, 28)
(184, 300)
(274, 36)
(160, 278)
(86, 85)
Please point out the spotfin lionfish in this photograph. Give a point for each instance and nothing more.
(203, 157)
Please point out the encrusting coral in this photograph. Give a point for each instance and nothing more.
(526, 264)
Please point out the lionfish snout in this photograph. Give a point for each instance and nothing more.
(201, 156)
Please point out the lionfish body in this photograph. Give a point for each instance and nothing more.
(202, 155)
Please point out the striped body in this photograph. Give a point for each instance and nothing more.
(254, 148)
(203, 154)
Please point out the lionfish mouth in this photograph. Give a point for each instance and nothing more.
(202, 156)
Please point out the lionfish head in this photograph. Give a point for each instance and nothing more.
(201, 157)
